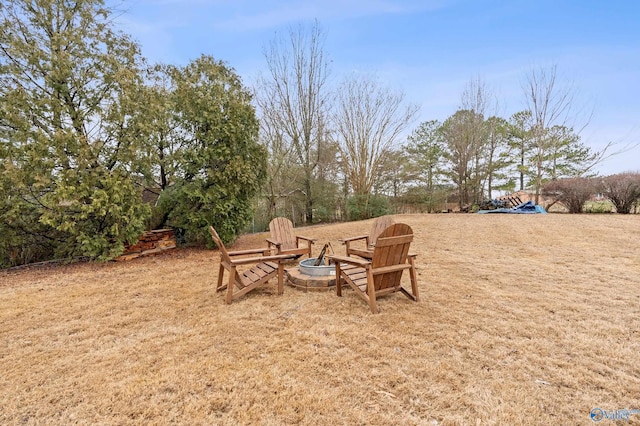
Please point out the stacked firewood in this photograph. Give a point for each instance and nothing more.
(149, 243)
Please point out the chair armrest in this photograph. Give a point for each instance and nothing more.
(250, 251)
(275, 258)
(392, 268)
(348, 240)
(300, 237)
(350, 260)
(273, 242)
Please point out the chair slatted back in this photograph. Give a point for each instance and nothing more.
(223, 250)
(392, 248)
(379, 225)
(281, 230)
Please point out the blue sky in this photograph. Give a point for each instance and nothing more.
(430, 49)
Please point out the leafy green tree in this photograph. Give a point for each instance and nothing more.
(554, 148)
(425, 152)
(477, 154)
(67, 157)
(548, 154)
(519, 140)
(326, 185)
(567, 155)
(496, 155)
(463, 136)
(220, 166)
(481, 132)
(394, 174)
(365, 206)
(158, 126)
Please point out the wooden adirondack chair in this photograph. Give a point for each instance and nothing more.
(379, 224)
(240, 282)
(382, 274)
(285, 241)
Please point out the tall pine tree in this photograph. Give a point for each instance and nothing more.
(67, 156)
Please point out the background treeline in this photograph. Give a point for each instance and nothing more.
(97, 145)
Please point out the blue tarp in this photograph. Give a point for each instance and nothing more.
(525, 208)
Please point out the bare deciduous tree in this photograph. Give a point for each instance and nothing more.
(368, 120)
(476, 98)
(293, 100)
(551, 105)
(283, 177)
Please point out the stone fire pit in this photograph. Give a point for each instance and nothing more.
(308, 277)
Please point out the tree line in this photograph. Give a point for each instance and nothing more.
(97, 145)
(337, 153)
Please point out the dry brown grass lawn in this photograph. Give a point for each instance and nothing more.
(524, 319)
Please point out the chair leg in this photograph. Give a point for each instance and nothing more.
(414, 279)
(220, 276)
(232, 277)
(338, 280)
(280, 278)
(371, 291)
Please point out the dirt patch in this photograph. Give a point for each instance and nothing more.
(524, 319)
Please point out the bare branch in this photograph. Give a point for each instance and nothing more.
(368, 121)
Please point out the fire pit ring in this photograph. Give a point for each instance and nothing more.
(307, 267)
(307, 277)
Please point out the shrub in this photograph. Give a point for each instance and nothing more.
(598, 207)
(366, 206)
(572, 193)
(623, 190)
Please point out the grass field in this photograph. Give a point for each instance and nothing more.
(523, 319)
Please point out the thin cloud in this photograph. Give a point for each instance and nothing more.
(278, 13)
